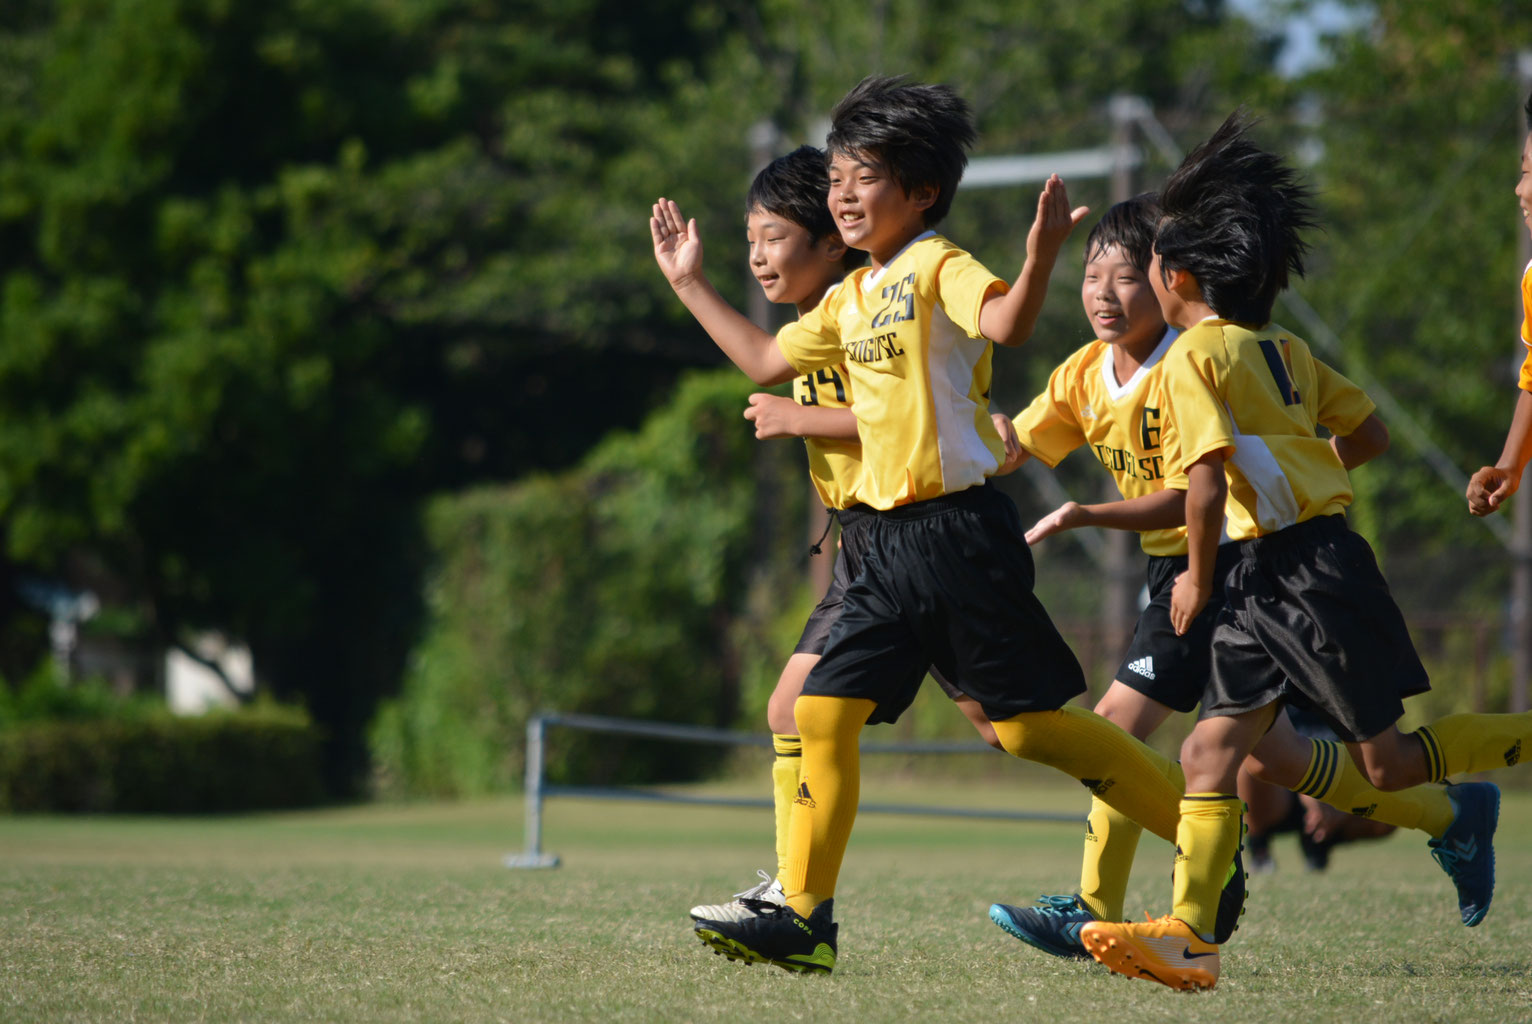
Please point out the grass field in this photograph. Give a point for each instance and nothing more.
(403, 913)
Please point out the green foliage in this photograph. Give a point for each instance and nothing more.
(614, 589)
(141, 762)
(44, 696)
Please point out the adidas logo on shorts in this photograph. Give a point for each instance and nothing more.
(1143, 666)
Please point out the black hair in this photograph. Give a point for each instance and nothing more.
(796, 187)
(1232, 216)
(920, 134)
(1130, 226)
(1528, 109)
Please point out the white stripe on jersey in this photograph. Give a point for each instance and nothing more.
(1276, 506)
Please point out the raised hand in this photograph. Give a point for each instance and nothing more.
(677, 245)
(1054, 220)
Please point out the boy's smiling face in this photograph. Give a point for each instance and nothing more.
(786, 260)
(1119, 301)
(1524, 183)
(872, 210)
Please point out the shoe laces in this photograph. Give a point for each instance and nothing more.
(755, 891)
(1058, 904)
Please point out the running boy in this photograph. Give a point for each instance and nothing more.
(946, 579)
(1308, 617)
(1109, 396)
(797, 255)
(1490, 486)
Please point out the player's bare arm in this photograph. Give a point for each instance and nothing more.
(1205, 494)
(1492, 485)
(1365, 443)
(1008, 319)
(1161, 510)
(775, 416)
(1015, 454)
(678, 251)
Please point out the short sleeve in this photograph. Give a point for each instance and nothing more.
(963, 283)
(1193, 381)
(812, 342)
(1342, 405)
(1049, 428)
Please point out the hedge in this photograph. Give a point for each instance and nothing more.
(257, 758)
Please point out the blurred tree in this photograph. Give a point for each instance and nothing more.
(1414, 130)
(272, 271)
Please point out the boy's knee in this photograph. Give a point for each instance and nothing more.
(822, 719)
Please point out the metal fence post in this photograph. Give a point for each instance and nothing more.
(532, 856)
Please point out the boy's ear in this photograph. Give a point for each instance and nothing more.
(835, 248)
(925, 196)
(1182, 283)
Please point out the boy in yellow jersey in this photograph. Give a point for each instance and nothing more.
(1308, 618)
(1108, 396)
(946, 578)
(797, 255)
(1490, 486)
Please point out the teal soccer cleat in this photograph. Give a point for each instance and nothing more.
(1466, 851)
(1052, 926)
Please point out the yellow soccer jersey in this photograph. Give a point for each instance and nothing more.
(1261, 394)
(909, 337)
(1121, 424)
(835, 466)
(1526, 327)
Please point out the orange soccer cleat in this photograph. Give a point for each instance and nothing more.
(1166, 951)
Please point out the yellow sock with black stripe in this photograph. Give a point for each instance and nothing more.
(1333, 778)
(1206, 841)
(784, 786)
(1138, 781)
(1474, 743)
(824, 808)
(1111, 839)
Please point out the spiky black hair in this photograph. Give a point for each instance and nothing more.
(1528, 110)
(796, 187)
(919, 133)
(1130, 226)
(1232, 215)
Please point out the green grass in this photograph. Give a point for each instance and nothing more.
(403, 913)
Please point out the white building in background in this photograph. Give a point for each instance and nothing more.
(192, 688)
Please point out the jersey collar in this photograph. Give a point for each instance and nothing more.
(1116, 391)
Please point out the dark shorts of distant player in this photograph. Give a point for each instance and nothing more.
(1308, 620)
(1170, 669)
(855, 523)
(947, 583)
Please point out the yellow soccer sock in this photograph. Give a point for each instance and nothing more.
(1206, 842)
(1474, 743)
(828, 789)
(1111, 839)
(1139, 782)
(1334, 778)
(784, 786)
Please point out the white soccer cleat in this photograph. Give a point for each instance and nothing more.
(768, 890)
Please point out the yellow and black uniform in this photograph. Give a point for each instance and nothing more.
(1308, 618)
(1526, 327)
(946, 578)
(909, 338)
(1121, 424)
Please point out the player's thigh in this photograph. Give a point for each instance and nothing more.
(1213, 752)
(779, 707)
(1131, 710)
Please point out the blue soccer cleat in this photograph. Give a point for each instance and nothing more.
(1466, 851)
(1052, 926)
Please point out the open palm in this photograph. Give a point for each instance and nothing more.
(677, 245)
